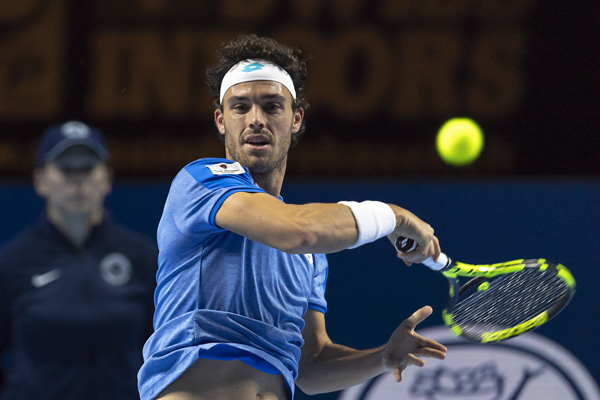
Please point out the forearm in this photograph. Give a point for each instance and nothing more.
(323, 228)
(307, 228)
(338, 367)
(317, 227)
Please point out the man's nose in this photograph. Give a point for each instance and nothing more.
(257, 118)
(77, 176)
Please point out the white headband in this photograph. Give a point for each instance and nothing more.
(256, 69)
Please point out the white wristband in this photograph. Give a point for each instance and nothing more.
(373, 218)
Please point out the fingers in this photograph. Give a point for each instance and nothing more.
(431, 353)
(421, 253)
(402, 255)
(410, 359)
(436, 249)
(406, 347)
(430, 348)
(433, 345)
(413, 359)
(411, 226)
(418, 316)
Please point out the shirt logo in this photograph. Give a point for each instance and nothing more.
(227, 169)
(116, 269)
(39, 280)
(253, 67)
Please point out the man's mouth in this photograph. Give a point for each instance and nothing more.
(257, 142)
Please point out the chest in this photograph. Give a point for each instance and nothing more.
(240, 263)
(240, 275)
(76, 293)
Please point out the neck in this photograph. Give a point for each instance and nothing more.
(269, 182)
(75, 226)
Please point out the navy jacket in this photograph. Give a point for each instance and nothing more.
(74, 321)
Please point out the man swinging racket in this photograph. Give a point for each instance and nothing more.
(240, 306)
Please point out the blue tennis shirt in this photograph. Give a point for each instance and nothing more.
(220, 295)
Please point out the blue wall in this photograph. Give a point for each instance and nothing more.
(370, 292)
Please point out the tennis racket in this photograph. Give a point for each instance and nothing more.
(502, 300)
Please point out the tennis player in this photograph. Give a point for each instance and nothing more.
(240, 306)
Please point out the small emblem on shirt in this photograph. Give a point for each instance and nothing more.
(116, 269)
(226, 169)
(310, 258)
(39, 280)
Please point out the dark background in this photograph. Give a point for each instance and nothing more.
(135, 69)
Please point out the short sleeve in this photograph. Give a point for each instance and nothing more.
(201, 188)
(317, 298)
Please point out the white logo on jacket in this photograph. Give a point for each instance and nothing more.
(39, 280)
(116, 269)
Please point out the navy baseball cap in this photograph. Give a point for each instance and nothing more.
(58, 138)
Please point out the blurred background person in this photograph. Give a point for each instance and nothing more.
(76, 289)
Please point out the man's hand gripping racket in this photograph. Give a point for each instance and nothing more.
(500, 300)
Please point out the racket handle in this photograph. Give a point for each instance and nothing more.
(407, 245)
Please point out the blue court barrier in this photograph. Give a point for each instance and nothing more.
(369, 291)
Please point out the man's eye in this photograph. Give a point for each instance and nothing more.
(240, 108)
(272, 107)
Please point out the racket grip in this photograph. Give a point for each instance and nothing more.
(407, 245)
(442, 263)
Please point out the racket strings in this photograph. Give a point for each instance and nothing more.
(508, 301)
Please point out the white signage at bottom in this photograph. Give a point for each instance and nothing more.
(528, 367)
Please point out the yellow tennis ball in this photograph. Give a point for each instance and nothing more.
(459, 141)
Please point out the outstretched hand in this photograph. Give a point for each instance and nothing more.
(405, 346)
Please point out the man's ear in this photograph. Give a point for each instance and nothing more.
(298, 117)
(38, 181)
(110, 179)
(219, 121)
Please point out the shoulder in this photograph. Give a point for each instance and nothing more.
(214, 173)
(27, 250)
(216, 166)
(130, 236)
(19, 246)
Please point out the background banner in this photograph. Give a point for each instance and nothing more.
(384, 75)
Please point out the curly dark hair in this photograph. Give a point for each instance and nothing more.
(252, 46)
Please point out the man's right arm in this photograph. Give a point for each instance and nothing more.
(313, 227)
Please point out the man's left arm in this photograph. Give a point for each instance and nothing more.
(325, 366)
